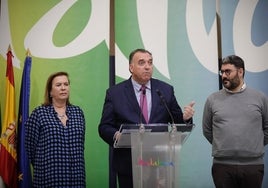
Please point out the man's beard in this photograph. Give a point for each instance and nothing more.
(231, 84)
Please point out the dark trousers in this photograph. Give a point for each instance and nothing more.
(237, 176)
(125, 181)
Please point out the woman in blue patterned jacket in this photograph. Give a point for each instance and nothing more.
(55, 135)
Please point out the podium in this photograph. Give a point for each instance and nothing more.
(155, 150)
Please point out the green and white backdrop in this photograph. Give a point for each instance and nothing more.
(186, 39)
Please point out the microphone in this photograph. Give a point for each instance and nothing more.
(165, 104)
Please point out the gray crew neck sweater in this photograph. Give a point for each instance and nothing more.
(236, 124)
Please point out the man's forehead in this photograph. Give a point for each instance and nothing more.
(143, 56)
(227, 66)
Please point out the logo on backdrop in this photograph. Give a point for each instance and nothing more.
(154, 36)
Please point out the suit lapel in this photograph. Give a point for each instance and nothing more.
(131, 97)
(132, 100)
(155, 98)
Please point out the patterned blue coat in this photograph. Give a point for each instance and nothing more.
(56, 152)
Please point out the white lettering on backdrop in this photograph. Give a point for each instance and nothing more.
(97, 31)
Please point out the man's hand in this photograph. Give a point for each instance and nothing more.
(188, 111)
(117, 135)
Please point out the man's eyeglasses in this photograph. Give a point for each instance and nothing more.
(227, 72)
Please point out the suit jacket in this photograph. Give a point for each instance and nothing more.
(122, 107)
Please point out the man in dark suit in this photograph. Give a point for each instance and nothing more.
(121, 106)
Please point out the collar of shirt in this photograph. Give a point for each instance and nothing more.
(241, 89)
(137, 86)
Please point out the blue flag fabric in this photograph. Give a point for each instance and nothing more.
(24, 170)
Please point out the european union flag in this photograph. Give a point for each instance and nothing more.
(25, 178)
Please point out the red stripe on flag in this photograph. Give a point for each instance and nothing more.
(8, 150)
(9, 71)
(8, 169)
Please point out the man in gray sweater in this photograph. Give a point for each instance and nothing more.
(235, 122)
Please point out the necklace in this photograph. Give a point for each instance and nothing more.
(61, 116)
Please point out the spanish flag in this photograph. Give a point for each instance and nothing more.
(8, 151)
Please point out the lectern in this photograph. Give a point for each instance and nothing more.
(155, 152)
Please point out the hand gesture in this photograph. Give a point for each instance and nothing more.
(188, 111)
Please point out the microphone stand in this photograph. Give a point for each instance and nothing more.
(173, 126)
(172, 138)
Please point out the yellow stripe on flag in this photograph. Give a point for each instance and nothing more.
(8, 150)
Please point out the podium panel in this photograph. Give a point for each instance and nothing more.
(155, 152)
(155, 159)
